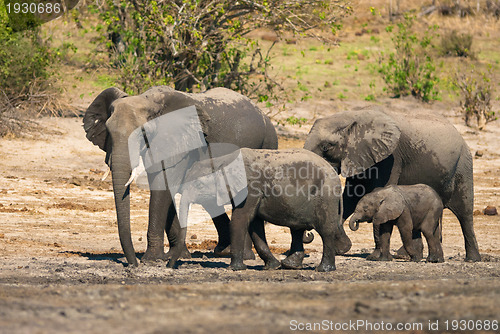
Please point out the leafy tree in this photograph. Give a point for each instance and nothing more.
(200, 44)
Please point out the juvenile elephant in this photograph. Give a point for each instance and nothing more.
(413, 209)
(293, 188)
(225, 116)
(373, 149)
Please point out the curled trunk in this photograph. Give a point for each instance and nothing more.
(354, 224)
(308, 237)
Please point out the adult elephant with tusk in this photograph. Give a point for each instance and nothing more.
(372, 148)
(225, 117)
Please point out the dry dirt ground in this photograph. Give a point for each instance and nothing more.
(62, 268)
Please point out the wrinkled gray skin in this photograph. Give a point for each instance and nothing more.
(413, 209)
(373, 149)
(225, 116)
(310, 200)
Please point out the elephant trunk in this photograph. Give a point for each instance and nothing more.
(121, 170)
(354, 224)
(308, 237)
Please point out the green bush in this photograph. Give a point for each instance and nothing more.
(410, 69)
(476, 92)
(24, 60)
(457, 45)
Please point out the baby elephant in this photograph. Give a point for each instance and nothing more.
(294, 188)
(413, 209)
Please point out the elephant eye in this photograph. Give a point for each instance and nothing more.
(326, 146)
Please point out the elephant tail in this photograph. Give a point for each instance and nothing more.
(440, 227)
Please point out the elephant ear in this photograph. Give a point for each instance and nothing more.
(94, 121)
(371, 137)
(204, 120)
(391, 206)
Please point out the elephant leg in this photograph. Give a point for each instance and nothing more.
(461, 204)
(432, 233)
(418, 245)
(222, 249)
(377, 252)
(177, 252)
(176, 236)
(158, 213)
(221, 223)
(296, 253)
(240, 223)
(385, 241)
(385, 231)
(405, 227)
(258, 235)
(326, 231)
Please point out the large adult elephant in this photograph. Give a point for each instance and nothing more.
(372, 148)
(225, 117)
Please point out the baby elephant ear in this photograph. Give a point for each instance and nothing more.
(371, 137)
(391, 206)
(94, 121)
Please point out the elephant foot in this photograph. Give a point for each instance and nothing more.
(416, 258)
(377, 255)
(374, 255)
(435, 258)
(472, 257)
(220, 251)
(402, 254)
(226, 252)
(272, 264)
(154, 255)
(325, 267)
(237, 266)
(184, 254)
(248, 255)
(293, 261)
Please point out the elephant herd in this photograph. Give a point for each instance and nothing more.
(404, 171)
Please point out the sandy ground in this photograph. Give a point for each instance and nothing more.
(62, 269)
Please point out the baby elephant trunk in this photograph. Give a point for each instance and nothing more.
(354, 224)
(308, 237)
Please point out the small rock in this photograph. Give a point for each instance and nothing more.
(360, 307)
(477, 213)
(140, 238)
(490, 211)
(194, 236)
(479, 153)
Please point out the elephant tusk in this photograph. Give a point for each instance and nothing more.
(105, 176)
(136, 172)
(133, 176)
